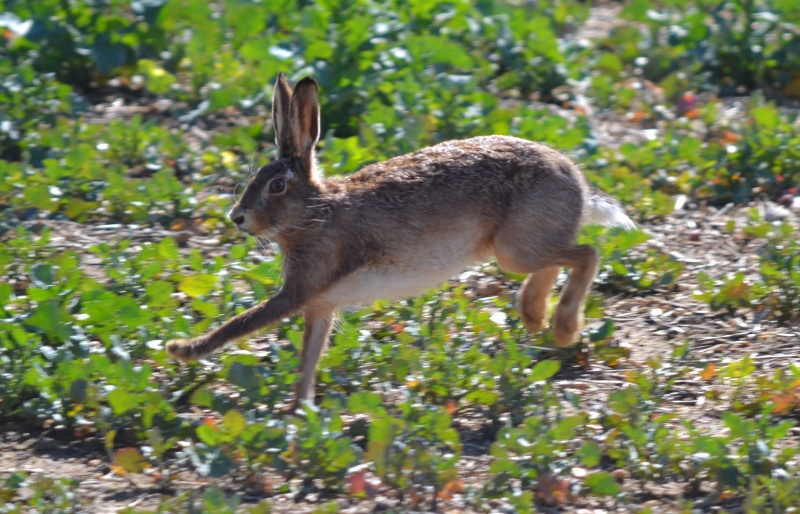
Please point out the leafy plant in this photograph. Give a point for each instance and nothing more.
(80, 40)
(48, 495)
(412, 452)
(775, 291)
(739, 43)
(31, 100)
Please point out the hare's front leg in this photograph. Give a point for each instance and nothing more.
(318, 321)
(280, 306)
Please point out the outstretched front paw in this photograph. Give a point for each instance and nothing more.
(183, 349)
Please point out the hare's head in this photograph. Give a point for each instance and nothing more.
(279, 192)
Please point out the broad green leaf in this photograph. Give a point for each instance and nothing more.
(544, 370)
(45, 274)
(209, 435)
(238, 252)
(121, 401)
(130, 460)
(159, 294)
(590, 454)
(202, 397)
(168, 249)
(207, 309)
(245, 377)
(367, 403)
(234, 422)
(197, 285)
(52, 320)
(602, 483)
(738, 425)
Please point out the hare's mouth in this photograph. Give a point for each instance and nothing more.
(258, 232)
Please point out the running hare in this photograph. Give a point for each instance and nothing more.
(398, 227)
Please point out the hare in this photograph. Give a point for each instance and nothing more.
(395, 228)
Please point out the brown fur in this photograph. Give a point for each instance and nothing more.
(397, 227)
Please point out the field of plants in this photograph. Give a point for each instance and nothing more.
(127, 128)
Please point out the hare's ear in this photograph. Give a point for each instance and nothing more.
(304, 117)
(281, 100)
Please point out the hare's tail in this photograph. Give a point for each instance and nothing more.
(602, 209)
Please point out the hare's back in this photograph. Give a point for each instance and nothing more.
(494, 162)
(483, 174)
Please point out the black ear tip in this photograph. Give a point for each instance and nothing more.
(307, 82)
(281, 79)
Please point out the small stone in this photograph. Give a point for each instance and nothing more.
(488, 288)
(579, 472)
(94, 462)
(786, 199)
(776, 213)
(694, 235)
(182, 237)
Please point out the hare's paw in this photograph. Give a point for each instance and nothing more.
(567, 328)
(534, 323)
(183, 349)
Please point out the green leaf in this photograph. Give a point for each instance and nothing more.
(197, 285)
(40, 198)
(5, 294)
(544, 370)
(381, 433)
(245, 377)
(52, 320)
(203, 398)
(130, 460)
(590, 454)
(130, 313)
(565, 429)
(45, 274)
(738, 425)
(159, 294)
(209, 435)
(121, 401)
(234, 422)
(207, 309)
(603, 483)
(482, 397)
(367, 403)
(158, 79)
(238, 252)
(168, 249)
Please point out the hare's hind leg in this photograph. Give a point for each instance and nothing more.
(534, 296)
(517, 257)
(584, 260)
(318, 323)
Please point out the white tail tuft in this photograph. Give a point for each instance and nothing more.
(604, 210)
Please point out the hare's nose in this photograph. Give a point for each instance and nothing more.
(237, 218)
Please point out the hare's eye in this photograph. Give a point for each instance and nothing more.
(277, 186)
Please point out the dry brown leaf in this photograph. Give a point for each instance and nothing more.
(709, 372)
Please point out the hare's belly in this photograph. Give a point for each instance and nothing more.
(425, 267)
(366, 286)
